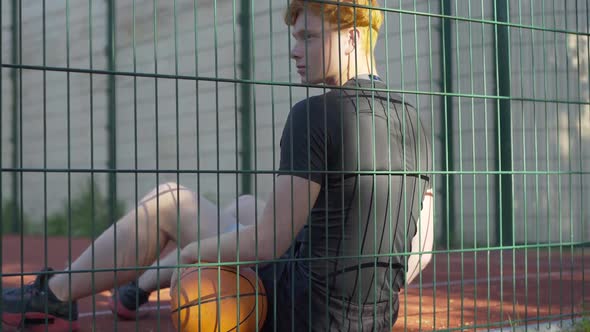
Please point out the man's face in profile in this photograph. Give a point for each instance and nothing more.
(317, 49)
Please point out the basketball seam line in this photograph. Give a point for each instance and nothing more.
(215, 298)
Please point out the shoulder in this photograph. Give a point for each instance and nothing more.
(314, 110)
(313, 103)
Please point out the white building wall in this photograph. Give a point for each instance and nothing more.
(193, 123)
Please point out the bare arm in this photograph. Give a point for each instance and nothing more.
(423, 240)
(293, 198)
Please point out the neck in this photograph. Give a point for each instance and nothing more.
(356, 67)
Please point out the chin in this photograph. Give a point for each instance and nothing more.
(312, 81)
(304, 80)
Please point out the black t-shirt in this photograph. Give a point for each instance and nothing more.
(371, 155)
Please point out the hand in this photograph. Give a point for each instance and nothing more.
(185, 257)
(189, 254)
(174, 279)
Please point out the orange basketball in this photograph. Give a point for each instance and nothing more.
(218, 299)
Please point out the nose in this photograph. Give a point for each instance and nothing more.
(296, 52)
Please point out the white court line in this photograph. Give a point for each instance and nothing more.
(413, 286)
(508, 277)
(108, 312)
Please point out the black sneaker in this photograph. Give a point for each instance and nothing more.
(35, 308)
(127, 299)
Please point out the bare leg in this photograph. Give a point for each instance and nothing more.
(168, 213)
(244, 210)
(151, 281)
(423, 240)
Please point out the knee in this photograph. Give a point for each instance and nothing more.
(246, 200)
(168, 187)
(171, 198)
(245, 208)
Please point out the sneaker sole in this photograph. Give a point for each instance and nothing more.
(38, 322)
(123, 312)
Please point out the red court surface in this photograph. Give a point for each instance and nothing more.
(490, 288)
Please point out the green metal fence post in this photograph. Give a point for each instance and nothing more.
(1, 146)
(246, 95)
(1, 164)
(14, 132)
(111, 111)
(448, 207)
(503, 125)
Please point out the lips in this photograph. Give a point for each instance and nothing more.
(300, 69)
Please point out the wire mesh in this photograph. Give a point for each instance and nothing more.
(102, 101)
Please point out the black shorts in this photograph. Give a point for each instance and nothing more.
(277, 278)
(292, 307)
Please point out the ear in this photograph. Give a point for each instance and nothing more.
(352, 40)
